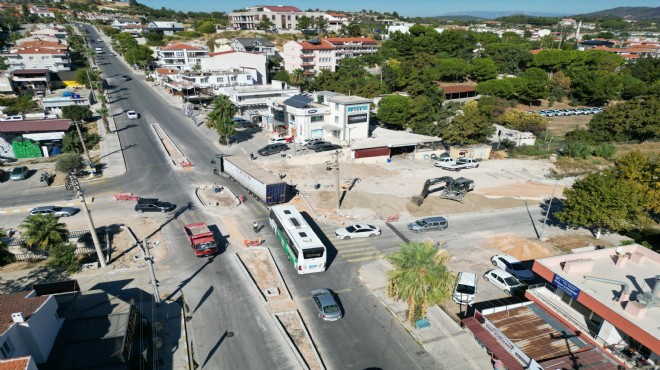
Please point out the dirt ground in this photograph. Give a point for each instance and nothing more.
(264, 273)
(562, 124)
(386, 190)
(293, 327)
(520, 248)
(224, 198)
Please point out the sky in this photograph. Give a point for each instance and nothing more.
(425, 8)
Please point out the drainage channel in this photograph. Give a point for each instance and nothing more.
(397, 232)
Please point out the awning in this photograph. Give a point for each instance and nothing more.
(332, 128)
(45, 136)
(492, 344)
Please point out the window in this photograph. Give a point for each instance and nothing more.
(179, 54)
(7, 349)
(221, 79)
(30, 58)
(249, 78)
(317, 119)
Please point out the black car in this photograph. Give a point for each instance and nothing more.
(126, 78)
(326, 147)
(273, 148)
(153, 205)
(315, 144)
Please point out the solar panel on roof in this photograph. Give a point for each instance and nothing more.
(298, 101)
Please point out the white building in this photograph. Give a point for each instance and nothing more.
(37, 58)
(28, 325)
(324, 53)
(399, 27)
(282, 17)
(121, 22)
(41, 11)
(252, 101)
(336, 21)
(254, 45)
(519, 137)
(180, 56)
(166, 28)
(331, 116)
(255, 64)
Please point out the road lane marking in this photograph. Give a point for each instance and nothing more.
(353, 260)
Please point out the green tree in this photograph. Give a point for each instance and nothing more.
(63, 255)
(321, 24)
(140, 55)
(535, 87)
(632, 88)
(68, 162)
(282, 75)
(469, 127)
(265, 24)
(351, 30)
(453, 69)
(631, 120)
(483, 69)
(6, 257)
(604, 202)
(85, 75)
(122, 42)
(419, 277)
(503, 88)
(221, 118)
(393, 109)
(77, 113)
(554, 60)
(643, 171)
(206, 27)
(509, 58)
(305, 23)
(43, 231)
(595, 87)
(646, 69)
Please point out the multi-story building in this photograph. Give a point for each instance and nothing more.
(600, 307)
(315, 55)
(122, 22)
(330, 116)
(180, 56)
(254, 65)
(252, 101)
(28, 325)
(254, 45)
(35, 57)
(282, 17)
(335, 21)
(165, 28)
(42, 11)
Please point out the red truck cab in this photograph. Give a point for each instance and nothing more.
(202, 240)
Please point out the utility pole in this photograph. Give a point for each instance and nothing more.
(150, 264)
(547, 213)
(336, 157)
(72, 184)
(82, 141)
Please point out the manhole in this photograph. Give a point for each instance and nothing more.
(230, 333)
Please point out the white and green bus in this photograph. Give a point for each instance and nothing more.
(305, 250)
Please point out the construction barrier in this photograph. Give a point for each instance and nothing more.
(126, 196)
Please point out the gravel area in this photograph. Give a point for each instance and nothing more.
(293, 326)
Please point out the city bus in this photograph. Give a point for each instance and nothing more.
(305, 250)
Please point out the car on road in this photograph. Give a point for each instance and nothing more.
(125, 78)
(19, 173)
(272, 149)
(503, 280)
(465, 289)
(511, 265)
(327, 305)
(99, 40)
(241, 122)
(307, 142)
(316, 143)
(56, 211)
(113, 54)
(153, 205)
(428, 224)
(131, 114)
(326, 147)
(357, 231)
(279, 140)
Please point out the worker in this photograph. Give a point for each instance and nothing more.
(255, 226)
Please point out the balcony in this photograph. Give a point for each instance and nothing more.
(307, 64)
(304, 56)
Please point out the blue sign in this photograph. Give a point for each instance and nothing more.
(566, 286)
(358, 108)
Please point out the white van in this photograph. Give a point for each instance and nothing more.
(12, 118)
(99, 51)
(465, 289)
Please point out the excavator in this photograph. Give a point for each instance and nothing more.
(453, 189)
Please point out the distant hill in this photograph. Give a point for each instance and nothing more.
(493, 15)
(636, 13)
(463, 18)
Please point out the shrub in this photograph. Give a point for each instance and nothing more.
(605, 150)
(68, 162)
(6, 257)
(577, 149)
(64, 256)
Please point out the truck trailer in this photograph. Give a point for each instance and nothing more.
(201, 238)
(264, 185)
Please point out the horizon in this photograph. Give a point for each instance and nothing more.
(423, 8)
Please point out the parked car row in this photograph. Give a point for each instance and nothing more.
(567, 112)
(280, 145)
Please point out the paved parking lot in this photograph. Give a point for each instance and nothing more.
(31, 182)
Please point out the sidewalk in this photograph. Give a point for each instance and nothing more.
(451, 346)
(112, 154)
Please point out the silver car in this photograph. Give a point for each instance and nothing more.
(327, 305)
(54, 210)
(19, 173)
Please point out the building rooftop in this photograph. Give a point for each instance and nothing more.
(281, 8)
(345, 99)
(28, 126)
(18, 363)
(633, 265)
(17, 302)
(181, 47)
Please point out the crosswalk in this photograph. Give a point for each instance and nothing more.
(354, 250)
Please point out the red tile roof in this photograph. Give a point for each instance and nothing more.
(455, 89)
(324, 45)
(18, 363)
(336, 15)
(17, 302)
(344, 40)
(222, 53)
(42, 44)
(167, 71)
(34, 126)
(37, 51)
(180, 47)
(281, 8)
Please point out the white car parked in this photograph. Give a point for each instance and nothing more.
(503, 280)
(278, 140)
(511, 265)
(131, 114)
(357, 231)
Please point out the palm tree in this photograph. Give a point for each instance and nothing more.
(44, 231)
(5, 256)
(298, 78)
(420, 277)
(103, 111)
(221, 117)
